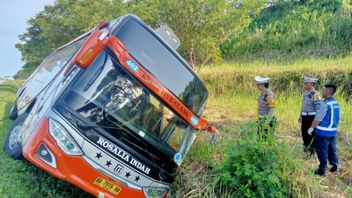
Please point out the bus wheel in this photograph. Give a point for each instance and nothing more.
(13, 143)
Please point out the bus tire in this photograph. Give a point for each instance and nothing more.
(13, 143)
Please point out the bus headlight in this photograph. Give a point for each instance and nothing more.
(63, 139)
(151, 192)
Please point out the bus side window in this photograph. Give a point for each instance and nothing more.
(50, 67)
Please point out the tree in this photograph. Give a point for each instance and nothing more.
(59, 23)
(202, 25)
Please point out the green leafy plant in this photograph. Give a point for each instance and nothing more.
(255, 166)
(291, 29)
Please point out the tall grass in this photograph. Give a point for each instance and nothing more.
(287, 78)
(233, 93)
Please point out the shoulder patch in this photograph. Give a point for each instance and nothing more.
(317, 98)
(271, 101)
(317, 95)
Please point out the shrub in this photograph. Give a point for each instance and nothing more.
(256, 167)
(292, 29)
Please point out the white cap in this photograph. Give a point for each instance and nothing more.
(310, 80)
(262, 80)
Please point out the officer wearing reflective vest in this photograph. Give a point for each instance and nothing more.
(326, 122)
(266, 106)
(310, 105)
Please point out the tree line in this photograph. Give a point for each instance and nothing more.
(201, 25)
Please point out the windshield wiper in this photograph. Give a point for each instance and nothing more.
(83, 126)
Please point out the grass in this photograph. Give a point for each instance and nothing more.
(231, 106)
(268, 66)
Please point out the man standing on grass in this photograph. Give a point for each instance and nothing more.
(326, 122)
(310, 105)
(266, 107)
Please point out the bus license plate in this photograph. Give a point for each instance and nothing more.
(109, 186)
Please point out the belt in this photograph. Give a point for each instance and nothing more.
(309, 113)
(264, 116)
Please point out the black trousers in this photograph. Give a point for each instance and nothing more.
(266, 125)
(308, 140)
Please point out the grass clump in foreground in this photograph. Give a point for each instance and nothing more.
(256, 166)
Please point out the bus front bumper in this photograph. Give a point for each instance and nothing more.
(73, 169)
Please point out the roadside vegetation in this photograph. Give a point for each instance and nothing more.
(295, 29)
(239, 164)
(233, 167)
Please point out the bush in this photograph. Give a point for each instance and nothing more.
(291, 29)
(256, 167)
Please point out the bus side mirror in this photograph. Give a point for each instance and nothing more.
(91, 48)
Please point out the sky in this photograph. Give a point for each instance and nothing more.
(13, 17)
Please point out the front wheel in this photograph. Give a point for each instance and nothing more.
(13, 143)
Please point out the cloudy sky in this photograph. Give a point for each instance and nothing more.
(13, 17)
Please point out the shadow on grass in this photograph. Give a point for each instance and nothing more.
(22, 179)
(5, 122)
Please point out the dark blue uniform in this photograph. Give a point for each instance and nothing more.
(329, 117)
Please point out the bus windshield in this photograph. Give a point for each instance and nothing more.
(108, 95)
(164, 64)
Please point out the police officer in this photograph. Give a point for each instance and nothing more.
(326, 122)
(266, 106)
(310, 105)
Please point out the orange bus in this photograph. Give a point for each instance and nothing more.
(113, 112)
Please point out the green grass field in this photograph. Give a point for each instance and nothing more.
(232, 107)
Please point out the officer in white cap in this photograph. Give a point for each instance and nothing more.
(310, 105)
(266, 106)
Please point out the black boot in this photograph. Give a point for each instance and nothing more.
(319, 172)
(334, 169)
